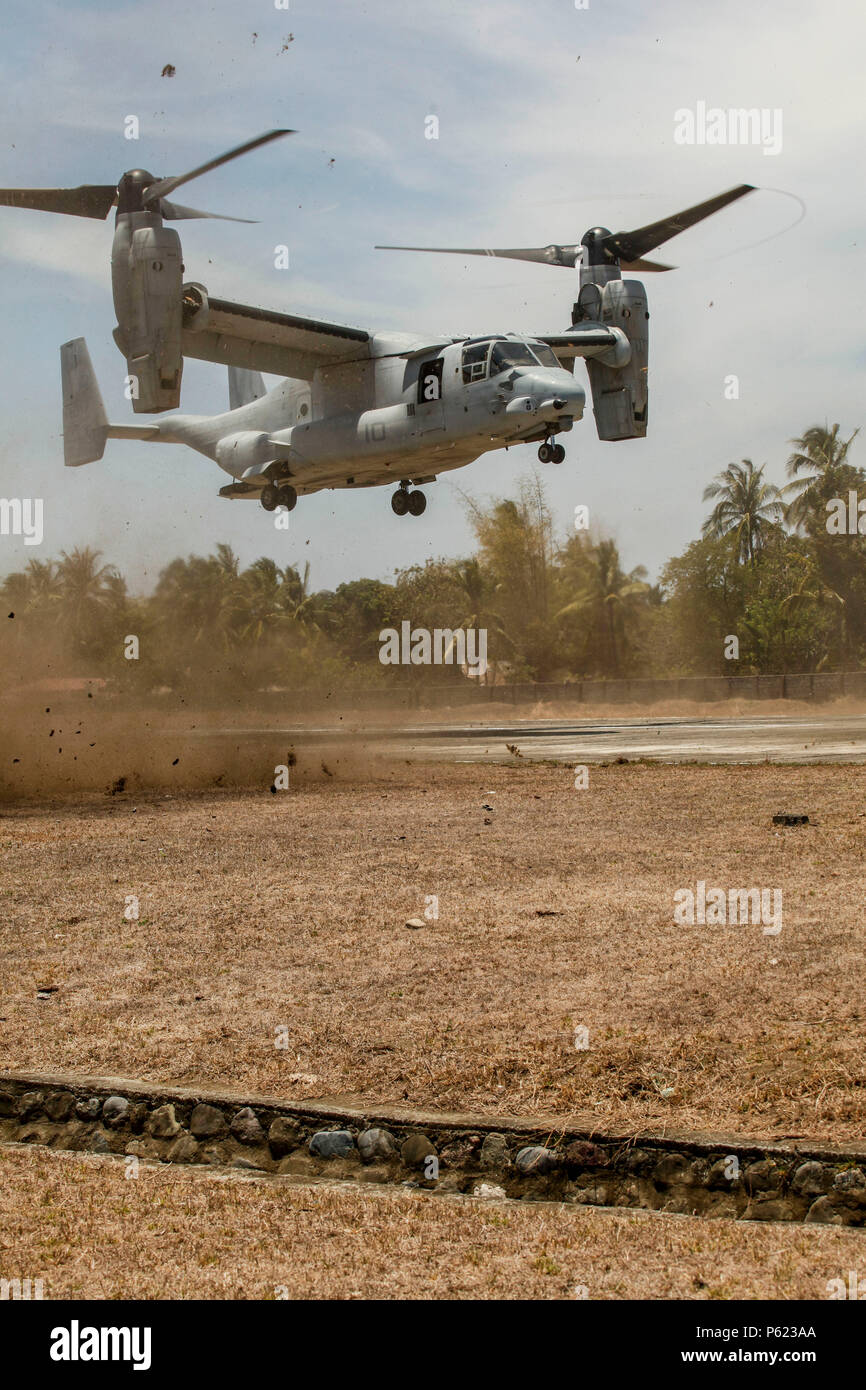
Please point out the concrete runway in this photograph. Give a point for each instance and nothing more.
(796, 739)
(776, 739)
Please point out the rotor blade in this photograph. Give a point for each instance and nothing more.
(631, 246)
(88, 200)
(162, 187)
(176, 212)
(645, 265)
(543, 255)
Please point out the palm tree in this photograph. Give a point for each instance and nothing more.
(88, 591)
(747, 508)
(821, 454)
(610, 597)
(475, 588)
(812, 591)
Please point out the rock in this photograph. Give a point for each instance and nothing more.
(582, 1154)
(243, 1162)
(377, 1143)
(672, 1170)
(59, 1106)
(114, 1111)
(592, 1196)
(283, 1136)
(453, 1182)
(374, 1172)
(495, 1152)
(299, 1164)
(488, 1191)
(214, 1154)
(414, 923)
(163, 1122)
(852, 1183)
(332, 1143)
(810, 1179)
(143, 1148)
(763, 1176)
(31, 1104)
(415, 1151)
(772, 1210)
(535, 1160)
(724, 1173)
(246, 1128)
(88, 1109)
(98, 1143)
(183, 1150)
(207, 1122)
(822, 1210)
(639, 1161)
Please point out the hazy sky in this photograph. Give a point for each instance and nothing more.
(551, 119)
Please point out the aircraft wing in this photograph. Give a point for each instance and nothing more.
(264, 340)
(589, 340)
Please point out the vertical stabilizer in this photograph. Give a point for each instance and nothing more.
(85, 424)
(244, 386)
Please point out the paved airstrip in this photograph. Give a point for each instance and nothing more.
(778, 739)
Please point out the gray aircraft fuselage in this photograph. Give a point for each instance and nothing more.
(367, 422)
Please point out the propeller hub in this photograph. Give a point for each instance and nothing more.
(596, 250)
(130, 190)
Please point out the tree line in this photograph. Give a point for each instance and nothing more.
(765, 568)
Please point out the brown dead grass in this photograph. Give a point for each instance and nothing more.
(73, 1221)
(260, 911)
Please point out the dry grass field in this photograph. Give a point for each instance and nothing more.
(263, 912)
(72, 1221)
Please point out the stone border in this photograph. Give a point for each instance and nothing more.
(701, 1175)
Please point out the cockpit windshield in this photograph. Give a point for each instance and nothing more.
(480, 361)
(510, 354)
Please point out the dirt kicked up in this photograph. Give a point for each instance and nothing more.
(259, 939)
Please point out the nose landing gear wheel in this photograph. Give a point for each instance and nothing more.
(400, 501)
(545, 453)
(270, 497)
(558, 454)
(417, 503)
(287, 497)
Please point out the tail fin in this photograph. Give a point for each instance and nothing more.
(244, 386)
(85, 423)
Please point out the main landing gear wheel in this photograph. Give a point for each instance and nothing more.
(417, 503)
(287, 497)
(400, 501)
(270, 497)
(550, 453)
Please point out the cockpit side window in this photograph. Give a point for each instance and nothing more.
(475, 362)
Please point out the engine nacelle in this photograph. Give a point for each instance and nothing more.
(245, 451)
(619, 394)
(146, 275)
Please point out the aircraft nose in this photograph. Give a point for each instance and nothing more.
(559, 392)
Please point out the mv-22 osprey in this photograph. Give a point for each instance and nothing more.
(355, 408)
